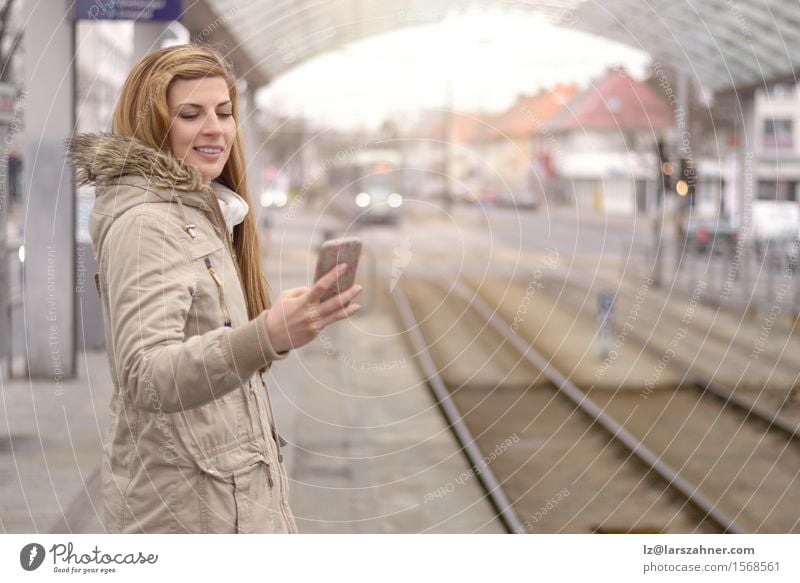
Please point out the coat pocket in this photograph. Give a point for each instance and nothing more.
(232, 500)
(208, 310)
(243, 488)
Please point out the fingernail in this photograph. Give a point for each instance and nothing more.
(341, 266)
(358, 288)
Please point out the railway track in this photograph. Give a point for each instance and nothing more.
(572, 467)
(740, 459)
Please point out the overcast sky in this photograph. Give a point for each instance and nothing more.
(487, 59)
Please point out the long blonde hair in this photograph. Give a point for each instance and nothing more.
(142, 112)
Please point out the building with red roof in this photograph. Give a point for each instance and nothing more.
(607, 137)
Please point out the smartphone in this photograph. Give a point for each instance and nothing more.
(332, 253)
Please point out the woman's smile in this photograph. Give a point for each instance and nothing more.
(211, 153)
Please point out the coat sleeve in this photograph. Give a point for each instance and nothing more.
(150, 283)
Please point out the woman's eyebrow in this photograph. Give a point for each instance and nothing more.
(187, 104)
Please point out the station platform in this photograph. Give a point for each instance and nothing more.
(367, 449)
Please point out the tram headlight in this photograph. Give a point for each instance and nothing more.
(277, 198)
(362, 199)
(394, 200)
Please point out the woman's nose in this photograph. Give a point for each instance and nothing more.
(211, 125)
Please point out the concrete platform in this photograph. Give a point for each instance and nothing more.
(50, 447)
(367, 447)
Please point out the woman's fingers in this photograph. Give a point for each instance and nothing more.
(325, 282)
(297, 316)
(295, 292)
(339, 301)
(340, 315)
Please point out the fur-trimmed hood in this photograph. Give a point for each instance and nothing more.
(103, 158)
(126, 173)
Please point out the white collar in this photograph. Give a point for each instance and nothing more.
(234, 207)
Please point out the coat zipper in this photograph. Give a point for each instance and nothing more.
(225, 314)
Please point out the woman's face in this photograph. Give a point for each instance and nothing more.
(202, 127)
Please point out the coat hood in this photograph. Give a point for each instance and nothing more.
(127, 172)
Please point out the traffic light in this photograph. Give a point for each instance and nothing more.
(665, 166)
(686, 179)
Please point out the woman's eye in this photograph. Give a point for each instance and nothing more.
(194, 115)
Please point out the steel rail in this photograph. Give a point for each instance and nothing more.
(747, 407)
(617, 432)
(492, 486)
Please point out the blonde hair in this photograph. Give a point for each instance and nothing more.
(142, 112)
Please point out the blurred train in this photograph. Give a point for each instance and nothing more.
(365, 187)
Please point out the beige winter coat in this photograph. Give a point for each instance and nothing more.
(191, 446)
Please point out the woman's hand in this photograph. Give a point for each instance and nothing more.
(297, 316)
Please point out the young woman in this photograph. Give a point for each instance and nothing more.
(192, 445)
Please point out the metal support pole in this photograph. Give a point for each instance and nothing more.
(5, 287)
(746, 143)
(49, 268)
(658, 243)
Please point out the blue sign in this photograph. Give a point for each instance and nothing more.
(139, 10)
(605, 303)
(605, 323)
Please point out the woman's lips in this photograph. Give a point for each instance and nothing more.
(211, 157)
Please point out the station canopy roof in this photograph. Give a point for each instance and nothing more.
(719, 44)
